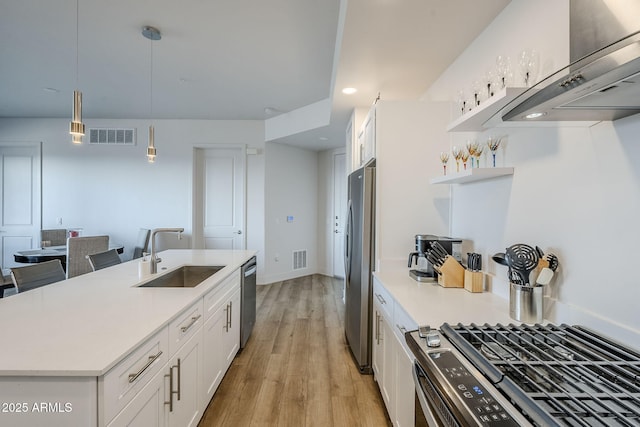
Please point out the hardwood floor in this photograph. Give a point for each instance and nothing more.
(296, 369)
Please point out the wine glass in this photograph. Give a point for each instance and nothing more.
(493, 143)
(472, 146)
(476, 88)
(457, 154)
(528, 62)
(464, 158)
(461, 101)
(488, 84)
(444, 158)
(503, 71)
(478, 153)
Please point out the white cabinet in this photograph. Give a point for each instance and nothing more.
(184, 372)
(367, 137)
(221, 334)
(148, 407)
(354, 149)
(392, 361)
(231, 338)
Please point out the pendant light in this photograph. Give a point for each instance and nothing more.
(76, 127)
(152, 34)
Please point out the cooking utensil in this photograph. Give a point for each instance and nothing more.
(552, 260)
(474, 261)
(500, 258)
(523, 259)
(545, 276)
(539, 251)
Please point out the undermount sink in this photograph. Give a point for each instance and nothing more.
(188, 276)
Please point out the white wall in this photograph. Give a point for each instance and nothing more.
(409, 139)
(326, 209)
(113, 190)
(575, 191)
(291, 188)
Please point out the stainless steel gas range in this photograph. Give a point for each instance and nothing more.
(523, 375)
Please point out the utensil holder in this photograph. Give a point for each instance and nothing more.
(525, 303)
(451, 274)
(473, 281)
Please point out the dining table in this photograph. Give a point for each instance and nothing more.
(50, 253)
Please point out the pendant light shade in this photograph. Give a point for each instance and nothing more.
(152, 34)
(151, 149)
(76, 127)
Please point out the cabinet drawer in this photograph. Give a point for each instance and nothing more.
(384, 299)
(185, 326)
(219, 295)
(402, 322)
(121, 384)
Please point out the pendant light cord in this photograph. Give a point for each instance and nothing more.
(77, 39)
(151, 84)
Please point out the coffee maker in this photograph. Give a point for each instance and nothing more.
(424, 270)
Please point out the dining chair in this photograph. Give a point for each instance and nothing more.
(104, 259)
(142, 244)
(37, 275)
(77, 250)
(54, 237)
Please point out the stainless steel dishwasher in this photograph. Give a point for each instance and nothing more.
(248, 300)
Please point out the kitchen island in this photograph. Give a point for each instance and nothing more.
(79, 352)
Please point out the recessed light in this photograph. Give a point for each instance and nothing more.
(349, 90)
(323, 138)
(534, 115)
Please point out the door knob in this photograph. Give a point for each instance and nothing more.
(238, 232)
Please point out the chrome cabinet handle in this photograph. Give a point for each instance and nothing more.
(226, 323)
(230, 314)
(382, 301)
(133, 377)
(194, 319)
(170, 402)
(378, 327)
(179, 382)
(171, 390)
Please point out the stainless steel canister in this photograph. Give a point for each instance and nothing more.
(525, 303)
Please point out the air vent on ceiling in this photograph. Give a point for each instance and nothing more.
(112, 136)
(299, 259)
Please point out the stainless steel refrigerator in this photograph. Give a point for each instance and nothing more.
(359, 262)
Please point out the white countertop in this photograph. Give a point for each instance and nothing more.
(85, 325)
(431, 304)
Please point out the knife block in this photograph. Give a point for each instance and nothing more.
(451, 274)
(473, 281)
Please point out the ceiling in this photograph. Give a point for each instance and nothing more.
(228, 59)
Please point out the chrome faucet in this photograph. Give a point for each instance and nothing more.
(154, 258)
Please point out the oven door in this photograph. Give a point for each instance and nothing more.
(425, 415)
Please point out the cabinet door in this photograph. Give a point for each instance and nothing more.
(213, 354)
(387, 367)
(404, 389)
(185, 371)
(148, 407)
(369, 136)
(232, 331)
(377, 356)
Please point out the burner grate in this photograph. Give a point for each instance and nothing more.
(573, 374)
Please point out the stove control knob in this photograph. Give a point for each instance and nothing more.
(433, 339)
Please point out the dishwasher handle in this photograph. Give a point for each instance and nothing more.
(250, 271)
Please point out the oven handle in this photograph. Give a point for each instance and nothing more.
(422, 398)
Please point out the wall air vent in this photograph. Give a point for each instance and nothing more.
(112, 136)
(299, 259)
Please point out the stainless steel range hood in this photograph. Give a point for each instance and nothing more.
(603, 80)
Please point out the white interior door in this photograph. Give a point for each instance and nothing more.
(223, 195)
(20, 204)
(339, 211)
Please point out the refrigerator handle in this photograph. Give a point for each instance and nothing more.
(348, 242)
